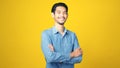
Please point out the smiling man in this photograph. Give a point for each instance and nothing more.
(59, 45)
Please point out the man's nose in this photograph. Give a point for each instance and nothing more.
(62, 14)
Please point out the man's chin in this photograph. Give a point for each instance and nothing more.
(60, 23)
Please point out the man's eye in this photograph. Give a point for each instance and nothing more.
(65, 13)
(58, 12)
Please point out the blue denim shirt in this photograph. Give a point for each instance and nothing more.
(63, 46)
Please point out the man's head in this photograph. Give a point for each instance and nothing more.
(59, 12)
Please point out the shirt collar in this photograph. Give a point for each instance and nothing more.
(55, 31)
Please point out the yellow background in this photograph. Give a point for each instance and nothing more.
(96, 23)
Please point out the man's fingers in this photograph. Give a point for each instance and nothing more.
(77, 49)
(80, 51)
(51, 47)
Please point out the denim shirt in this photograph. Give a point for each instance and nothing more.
(63, 46)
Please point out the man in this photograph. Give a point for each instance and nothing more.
(59, 45)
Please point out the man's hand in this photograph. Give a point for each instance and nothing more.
(77, 52)
(51, 47)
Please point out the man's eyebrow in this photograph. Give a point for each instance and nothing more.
(63, 11)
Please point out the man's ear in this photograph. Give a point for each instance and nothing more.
(52, 14)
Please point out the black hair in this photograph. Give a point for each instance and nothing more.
(58, 4)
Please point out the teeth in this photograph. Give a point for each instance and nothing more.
(60, 18)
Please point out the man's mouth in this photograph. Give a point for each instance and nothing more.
(61, 18)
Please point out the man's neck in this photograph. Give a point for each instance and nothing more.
(60, 28)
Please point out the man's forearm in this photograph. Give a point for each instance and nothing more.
(77, 52)
(73, 54)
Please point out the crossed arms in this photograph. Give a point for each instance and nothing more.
(52, 56)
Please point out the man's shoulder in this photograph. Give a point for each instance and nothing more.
(47, 31)
(70, 32)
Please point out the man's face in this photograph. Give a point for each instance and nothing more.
(60, 15)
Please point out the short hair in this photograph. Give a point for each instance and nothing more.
(59, 4)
